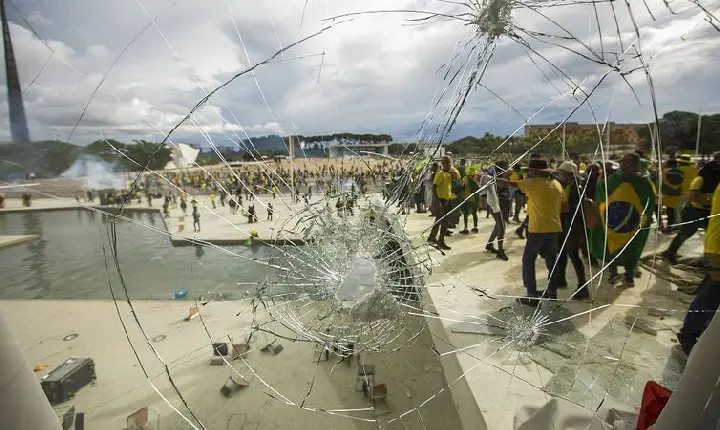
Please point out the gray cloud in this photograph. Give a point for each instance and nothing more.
(379, 74)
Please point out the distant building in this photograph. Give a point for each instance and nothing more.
(619, 134)
(182, 156)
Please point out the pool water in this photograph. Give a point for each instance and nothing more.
(69, 260)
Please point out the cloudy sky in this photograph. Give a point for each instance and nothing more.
(134, 69)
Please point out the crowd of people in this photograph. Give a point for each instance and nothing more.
(237, 186)
(591, 213)
(602, 211)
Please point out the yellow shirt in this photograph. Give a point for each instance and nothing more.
(443, 182)
(515, 176)
(582, 167)
(545, 202)
(705, 198)
(712, 234)
(691, 173)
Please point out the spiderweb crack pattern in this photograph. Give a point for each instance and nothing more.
(364, 287)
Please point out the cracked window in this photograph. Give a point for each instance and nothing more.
(213, 210)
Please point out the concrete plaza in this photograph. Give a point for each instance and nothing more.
(591, 352)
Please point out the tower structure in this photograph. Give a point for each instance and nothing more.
(18, 122)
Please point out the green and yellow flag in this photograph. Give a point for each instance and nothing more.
(672, 186)
(627, 208)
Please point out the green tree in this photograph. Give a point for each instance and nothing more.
(59, 157)
(153, 155)
(104, 149)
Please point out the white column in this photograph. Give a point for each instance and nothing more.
(695, 403)
(23, 405)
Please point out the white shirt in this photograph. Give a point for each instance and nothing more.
(489, 188)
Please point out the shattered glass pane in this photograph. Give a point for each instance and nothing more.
(307, 294)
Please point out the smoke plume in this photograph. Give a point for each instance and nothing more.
(95, 173)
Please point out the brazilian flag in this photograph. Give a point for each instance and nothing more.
(628, 208)
(672, 181)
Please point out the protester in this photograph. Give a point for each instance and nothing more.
(518, 196)
(441, 191)
(573, 234)
(456, 198)
(490, 183)
(695, 214)
(546, 202)
(671, 187)
(706, 301)
(626, 203)
(471, 199)
(196, 219)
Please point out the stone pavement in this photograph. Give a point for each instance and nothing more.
(290, 390)
(591, 351)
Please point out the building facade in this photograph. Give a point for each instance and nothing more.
(612, 133)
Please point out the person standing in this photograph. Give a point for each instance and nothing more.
(456, 197)
(196, 219)
(706, 301)
(472, 199)
(270, 211)
(212, 200)
(625, 215)
(546, 202)
(441, 191)
(183, 203)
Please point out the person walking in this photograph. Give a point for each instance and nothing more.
(496, 209)
(695, 214)
(442, 183)
(706, 301)
(546, 202)
(270, 210)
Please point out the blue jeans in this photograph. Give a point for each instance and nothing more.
(702, 309)
(546, 245)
